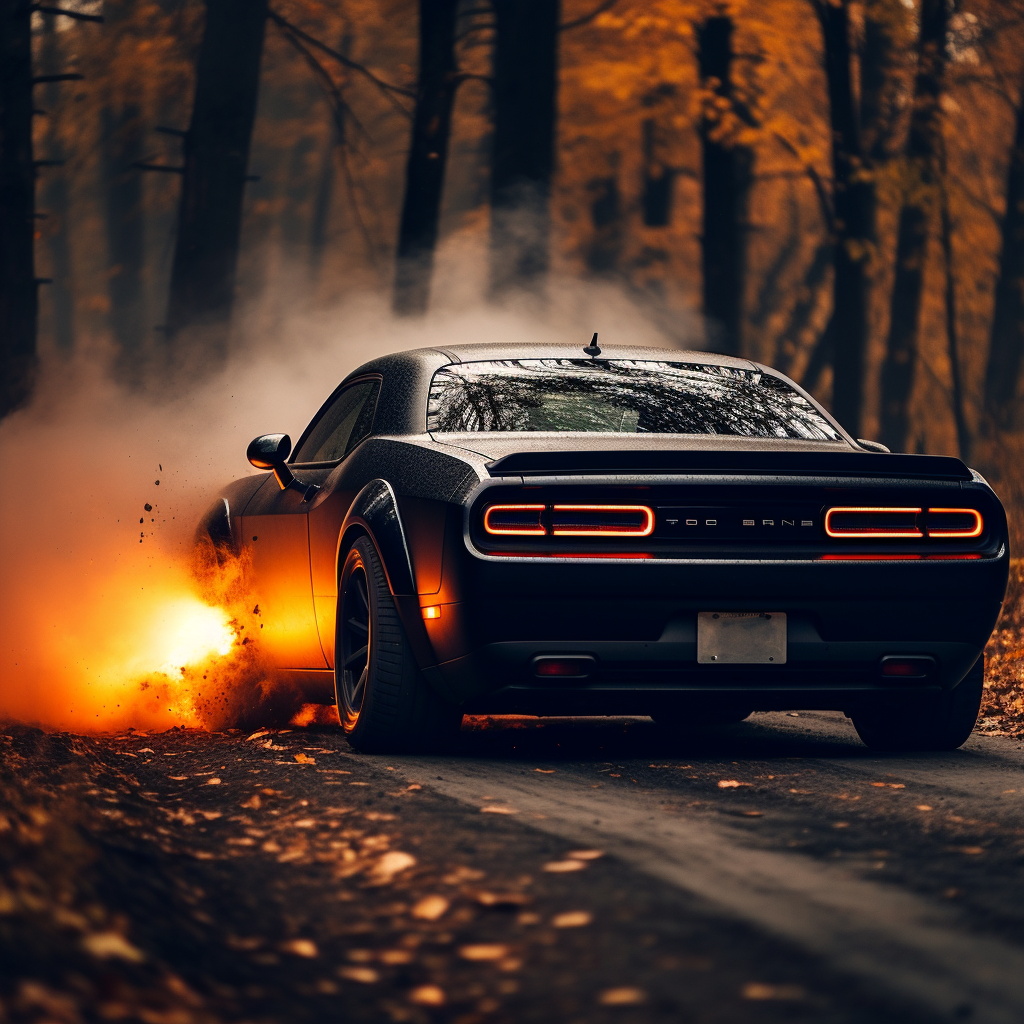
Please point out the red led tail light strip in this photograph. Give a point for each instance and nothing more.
(569, 521)
(873, 532)
(644, 528)
(973, 531)
(912, 530)
(513, 529)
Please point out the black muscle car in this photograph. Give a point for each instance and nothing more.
(558, 530)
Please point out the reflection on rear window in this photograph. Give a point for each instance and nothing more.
(620, 396)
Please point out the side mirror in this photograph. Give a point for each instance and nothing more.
(873, 446)
(271, 451)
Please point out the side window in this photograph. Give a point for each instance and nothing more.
(342, 426)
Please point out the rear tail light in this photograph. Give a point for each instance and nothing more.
(571, 667)
(954, 522)
(515, 520)
(569, 520)
(872, 522)
(602, 521)
(895, 666)
(906, 523)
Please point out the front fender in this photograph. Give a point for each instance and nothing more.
(375, 510)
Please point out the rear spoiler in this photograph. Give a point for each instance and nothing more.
(630, 462)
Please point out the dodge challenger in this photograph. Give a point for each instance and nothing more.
(559, 530)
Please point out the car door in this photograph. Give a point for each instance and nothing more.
(276, 529)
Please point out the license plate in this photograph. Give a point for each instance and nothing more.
(741, 638)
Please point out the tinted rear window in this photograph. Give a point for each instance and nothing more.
(620, 396)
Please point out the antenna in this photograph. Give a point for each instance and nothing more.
(593, 349)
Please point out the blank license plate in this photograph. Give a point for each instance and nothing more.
(741, 638)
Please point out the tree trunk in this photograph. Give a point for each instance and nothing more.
(126, 243)
(1007, 339)
(727, 169)
(428, 154)
(924, 144)
(963, 432)
(216, 150)
(854, 192)
(525, 102)
(55, 202)
(18, 302)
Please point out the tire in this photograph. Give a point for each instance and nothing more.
(384, 703)
(944, 724)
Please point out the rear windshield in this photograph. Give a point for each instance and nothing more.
(620, 396)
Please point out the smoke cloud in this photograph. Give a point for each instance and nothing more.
(102, 487)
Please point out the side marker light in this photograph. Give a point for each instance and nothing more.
(432, 611)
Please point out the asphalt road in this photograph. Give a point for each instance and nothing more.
(545, 870)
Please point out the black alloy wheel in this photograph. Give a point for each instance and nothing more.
(385, 704)
(354, 649)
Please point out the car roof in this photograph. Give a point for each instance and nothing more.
(532, 350)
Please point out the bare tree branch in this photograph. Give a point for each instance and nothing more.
(386, 88)
(77, 15)
(607, 5)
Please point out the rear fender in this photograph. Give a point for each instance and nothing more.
(374, 512)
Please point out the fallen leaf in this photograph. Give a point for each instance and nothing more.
(366, 975)
(759, 991)
(840, 824)
(305, 823)
(561, 866)
(545, 771)
(300, 947)
(427, 995)
(145, 750)
(585, 854)
(572, 919)
(112, 946)
(502, 900)
(257, 735)
(622, 997)
(390, 864)
(924, 807)
(484, 951)
(212, 782)
(972, 851)
(497, 809)
(177, 778)
(731, 783)
(396, 957)
(253, 803)
(304, 759)
(430, 908)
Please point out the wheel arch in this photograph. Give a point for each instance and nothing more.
(374, 513)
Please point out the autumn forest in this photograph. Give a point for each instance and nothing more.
(833, 187)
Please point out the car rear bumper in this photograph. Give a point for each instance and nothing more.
(638, 622)
(627, 677)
